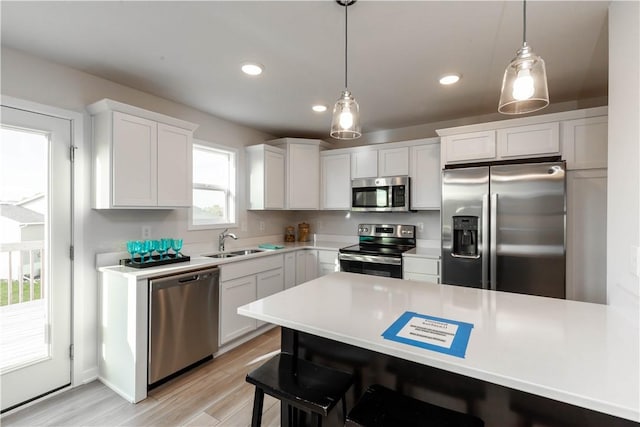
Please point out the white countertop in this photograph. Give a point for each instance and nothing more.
(200, 261)
(578, 353)
(421, 252)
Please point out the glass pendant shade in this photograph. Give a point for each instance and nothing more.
(524, 86)
(345, 123)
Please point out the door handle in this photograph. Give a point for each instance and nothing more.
(494, 240)
(484, 241)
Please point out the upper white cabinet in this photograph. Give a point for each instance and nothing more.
(335, 180)
(584, 143)
(546, 135)
(425, 175)
(141, 159)
(393, 161)
(302, 172)
(364, 163)
(266, 169)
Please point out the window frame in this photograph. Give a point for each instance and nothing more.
(232, 197)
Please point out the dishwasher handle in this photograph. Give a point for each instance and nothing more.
(182, 279)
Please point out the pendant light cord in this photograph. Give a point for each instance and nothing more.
(524, 22)
(346, 11)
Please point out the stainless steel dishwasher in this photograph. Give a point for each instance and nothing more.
(183, 322)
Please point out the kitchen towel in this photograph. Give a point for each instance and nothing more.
(270, 246)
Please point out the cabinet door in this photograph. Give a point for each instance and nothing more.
(393, 161)
(364, 164)
(135, 169)
(587, 235)
(529, 141)
(584, 143)
(469, 147)
(175, 175)
(301, 266)
(425, 176)
(311, 269)
(335, 171)
(327, 262)
(274, 180)
(289, 270)
(233, 294)
(303, 179)
(269, 283)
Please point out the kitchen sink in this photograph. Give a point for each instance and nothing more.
(222, 255)
(246, 252)
(234, 253)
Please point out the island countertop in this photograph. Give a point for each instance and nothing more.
(579, 353)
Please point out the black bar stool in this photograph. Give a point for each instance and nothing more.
(382, 407)
(299, 384)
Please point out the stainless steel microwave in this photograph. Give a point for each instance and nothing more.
(385, 194)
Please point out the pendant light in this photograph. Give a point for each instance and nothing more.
(345, 123)
(524, 86)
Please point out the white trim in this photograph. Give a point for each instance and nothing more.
(77, 294)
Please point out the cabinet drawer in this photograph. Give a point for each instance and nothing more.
(422, 277)
(421, 265)
(234, 270)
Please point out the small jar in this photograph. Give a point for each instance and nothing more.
(303, 232)
(290, 234)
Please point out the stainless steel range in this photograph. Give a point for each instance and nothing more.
(379, 252)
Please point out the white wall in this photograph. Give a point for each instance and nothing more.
(623, 205)
(32, 79)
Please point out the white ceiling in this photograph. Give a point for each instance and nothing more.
(190, 52)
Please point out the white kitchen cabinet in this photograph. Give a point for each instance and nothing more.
(306, 265)
(269, 283)
(584, 143)
(289, 270)
(469, 147)
(302, 172)
(536, 140)
(266, 172)
(233, 294)
(425, 176)
(335, 173)
(364, 163)
(421, 269)
(141, 159)
(327, 262)
(587, 235)
(393, 161)
(243, 282)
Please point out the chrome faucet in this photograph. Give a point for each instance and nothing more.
(223, 236)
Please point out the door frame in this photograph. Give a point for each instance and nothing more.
(77, 205)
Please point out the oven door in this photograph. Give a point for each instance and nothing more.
(371, 264)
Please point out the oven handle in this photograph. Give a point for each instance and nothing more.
(374, 259)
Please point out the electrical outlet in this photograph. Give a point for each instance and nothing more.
(146, 232)
(261, 225)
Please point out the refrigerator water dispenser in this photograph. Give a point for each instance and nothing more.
(465, 236)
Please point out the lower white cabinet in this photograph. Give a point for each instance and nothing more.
(327, 262)
(289, 270)
(306, 265)
(421, 269)
(233, 294)
(243, 282)
(587, 235)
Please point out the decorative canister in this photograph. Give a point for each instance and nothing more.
(303, 232)
(290, 234)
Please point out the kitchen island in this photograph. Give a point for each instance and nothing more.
(529, 359)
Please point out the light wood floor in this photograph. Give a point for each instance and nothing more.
(214, 394)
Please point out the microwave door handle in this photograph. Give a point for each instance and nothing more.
(484, 241)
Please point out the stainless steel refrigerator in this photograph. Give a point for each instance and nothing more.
(503, 228)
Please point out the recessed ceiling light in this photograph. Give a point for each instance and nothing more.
(449, 79)
(319, 108)
(252, 69)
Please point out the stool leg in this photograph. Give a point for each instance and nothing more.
(344, 408)
(317, 418)
(256, 418)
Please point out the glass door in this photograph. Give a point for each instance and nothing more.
(35, 264)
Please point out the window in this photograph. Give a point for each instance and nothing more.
(214, 186)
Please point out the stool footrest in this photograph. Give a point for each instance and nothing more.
(382, 407)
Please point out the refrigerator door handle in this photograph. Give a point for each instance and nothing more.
(484, 239)
(494, 240)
